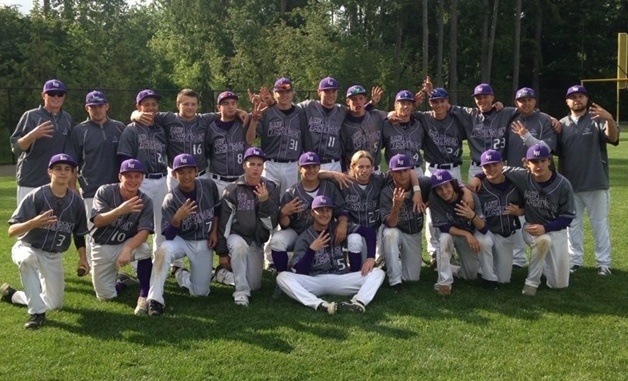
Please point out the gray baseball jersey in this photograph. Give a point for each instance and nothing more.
(124, 227)
(485, 131)
(443, 213)
(494, 200)
(198, 225)
(363, 133)
(146, 144)
(406, 139)
(70, 213)
(225, 148)
(546, 202)
(323, 130)
(583, 154)
(442, 141)
(243, 214)
(362, 201)
(409, 221)
(540, 127)
(95, 147)
(328, 260)
(300, 221)
(32, 164)
(281, 133)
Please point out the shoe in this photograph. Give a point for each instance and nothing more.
(490, 285)
(603, 270)
(277, 293)
(573, 269)
(329, 308)
(224, 276)
(7, 292)
(173, 270)
(155, 308)
(444, 290)
(433, 261)
(126, 280)
(353, 306)
(142, 306)
(381, 263)
(397, 288)
(242, 300)
(516, 266)
(528, 290)
(35, 321)
(271, 268)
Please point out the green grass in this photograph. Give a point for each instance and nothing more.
(573, 334)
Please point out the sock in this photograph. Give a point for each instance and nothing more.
(280, 259)
(144, 269)
(355, 261)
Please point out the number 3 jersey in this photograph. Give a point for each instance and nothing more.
(56, 237)
(328, 260)
(107, 198)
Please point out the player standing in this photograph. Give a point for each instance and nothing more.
(44, 223)
(583, 155)
(320, 266)
(40, 134)
(123, 217)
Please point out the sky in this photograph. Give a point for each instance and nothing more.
(25, 6)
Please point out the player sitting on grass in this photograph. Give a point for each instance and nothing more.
(123, 217)
(320, 266)
(190, 225)
(44, 222)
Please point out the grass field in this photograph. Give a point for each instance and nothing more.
(575, 334)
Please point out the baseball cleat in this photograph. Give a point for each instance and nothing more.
(126, 280)
(142, 306)
(574, 268)
(173, 270)
(155, 308)
(224, 276)
(278, 292)
(242, 300)
(7, 292)
(397, 288)
(35, 321)
(444, 290)
(603, 270)
(490, 285)
(353, 306)
(329, 308)
(528, 290)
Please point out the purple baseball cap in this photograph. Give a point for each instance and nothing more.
(355, 90)
(62, 158)
(131, 165)
(53, 85)
(183, 160)
(254, 152)
(147, 93)
(399, 162)
(576, 89)
(309, 158)
(537, 151)
(283, 83)
(490, 156)
(438, 93)
(226, 95)
(322, 201)
(95, 98)
(404, 95)
(328, 83)
(483, 89)
(525, 92)
(440, 177)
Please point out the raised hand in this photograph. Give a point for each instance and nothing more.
(44, 130)
(45, 219)
(187, 208)
(321, 242)
(261, 192)
(132, 205)
(292, 207)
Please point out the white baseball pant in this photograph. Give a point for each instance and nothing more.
(283, 240)
(42, 278)
(550, 257)
(156, 189)
(502, 256)
(104, 268)
(22, 192)
(597, 205)
(403, 255)
(306, 289)
(469, 261)
(357, 243)
(519, 246)
(197, 280)
(334, 166)
(88, 202)
(431, 233)
(247, 264)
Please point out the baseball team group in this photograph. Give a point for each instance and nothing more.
(311, 203)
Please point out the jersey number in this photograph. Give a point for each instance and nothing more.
(197, 149)
(239, 158)
(332, 141)
(292, 145)
(61, 239)
(499, 143)
(118, 236)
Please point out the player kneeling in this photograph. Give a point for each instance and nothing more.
(190, 225)
(43, 223)
(123, 217)
(320, 266)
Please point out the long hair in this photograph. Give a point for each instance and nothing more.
(457, 189)
(354, 161)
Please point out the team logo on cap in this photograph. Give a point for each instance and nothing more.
(438, 177)
(537, 152)
(56, 83)
(401, 161)
(131, 165)
(489, 156)
(574, 88)
(184, 160)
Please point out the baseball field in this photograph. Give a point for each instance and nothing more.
(575, 334)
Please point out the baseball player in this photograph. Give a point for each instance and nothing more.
(463, 228)
(320, 266)
(227, 140)
(294, 216)
(44, 223)
(94, 143)
(190, 224)
(123, 218)
(362, 129)
(148, 144)
(40, 134)
(582, 142)
(248, 214)
(501, 204)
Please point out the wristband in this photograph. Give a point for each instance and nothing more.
(474, 215)
(416, 188)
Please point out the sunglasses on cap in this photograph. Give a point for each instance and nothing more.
(284, 86)
(56, 93)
